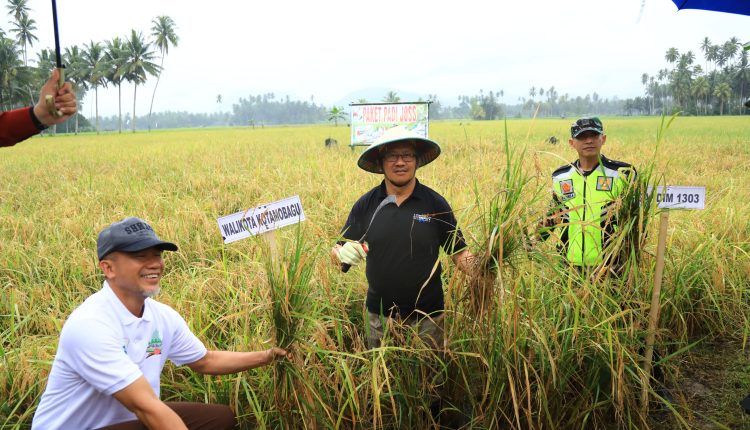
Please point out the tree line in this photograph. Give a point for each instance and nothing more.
(683, 85)
(130, 59)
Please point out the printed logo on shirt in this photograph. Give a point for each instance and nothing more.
(125, 343)
(422, 218)
(566, 187)
(154, 345)
(604, 183)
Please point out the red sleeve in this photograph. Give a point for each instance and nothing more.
(15, 126)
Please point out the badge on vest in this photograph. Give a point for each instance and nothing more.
(604, 183)
(566, 187)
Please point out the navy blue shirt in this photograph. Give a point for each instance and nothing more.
(404, 244)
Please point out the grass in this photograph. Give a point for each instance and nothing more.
(549, 350)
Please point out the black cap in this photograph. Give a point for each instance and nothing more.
(586, 124)
(130, 235)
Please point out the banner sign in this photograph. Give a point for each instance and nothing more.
(261, 219)
(369, 121)
(681, 197)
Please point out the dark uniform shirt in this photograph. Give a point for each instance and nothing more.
(404, 244)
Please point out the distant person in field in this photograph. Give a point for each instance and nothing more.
(20, 124)
(583, 193)
(404, 239)
(114, 345)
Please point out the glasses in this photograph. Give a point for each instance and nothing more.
(408, 157)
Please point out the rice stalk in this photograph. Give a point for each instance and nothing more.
(289, 277)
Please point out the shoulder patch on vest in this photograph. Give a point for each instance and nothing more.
(613, 164)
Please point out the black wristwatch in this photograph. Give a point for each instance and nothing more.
(35, 120)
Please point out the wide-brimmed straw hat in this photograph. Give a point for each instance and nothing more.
(427, 150)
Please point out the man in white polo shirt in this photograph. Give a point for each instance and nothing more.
(114, 345)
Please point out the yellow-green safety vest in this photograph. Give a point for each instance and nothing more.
(584, 197)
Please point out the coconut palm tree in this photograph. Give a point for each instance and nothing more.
(729, 49)
(391, 97)
(138, 64)
(742, 76)
(23, 28)
(682, 77)
(713, 54)
(94, 58)
(163, 32)
(10, 65)
(17, 8)
(335, 114)
(653, 89)
(663, 73)
(115, 57)
(723, 92)
(77, 72)
(671, 55)
(45, 62)
(700, 89)
(706, 48)
(644, 81)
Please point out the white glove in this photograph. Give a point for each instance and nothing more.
(352, 253)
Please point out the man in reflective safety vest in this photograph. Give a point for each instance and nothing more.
(582, 194)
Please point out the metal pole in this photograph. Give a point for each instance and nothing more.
(50, 100)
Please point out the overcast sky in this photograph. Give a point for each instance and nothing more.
(330, 49)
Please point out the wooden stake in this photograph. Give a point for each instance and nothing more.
(653, 315)
(270, 238)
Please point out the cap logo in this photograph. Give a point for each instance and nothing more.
(136, 227)
(129, 235)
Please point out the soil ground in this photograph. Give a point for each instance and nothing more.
(709, 382)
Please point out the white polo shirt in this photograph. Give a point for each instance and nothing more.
(104, 348)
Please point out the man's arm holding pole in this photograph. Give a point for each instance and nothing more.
(63, 101)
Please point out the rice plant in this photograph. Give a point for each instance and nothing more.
(551, 349)
(290, 277)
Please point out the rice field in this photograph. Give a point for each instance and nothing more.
(531, 347)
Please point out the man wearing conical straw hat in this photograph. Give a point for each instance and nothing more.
(398, 227)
